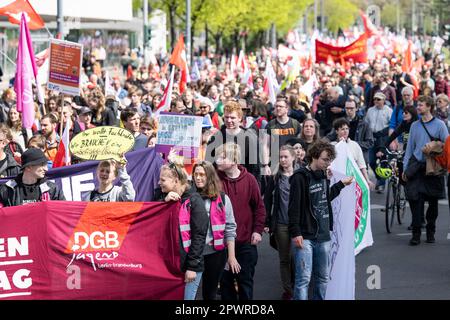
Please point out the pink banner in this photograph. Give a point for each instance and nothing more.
(80, 250)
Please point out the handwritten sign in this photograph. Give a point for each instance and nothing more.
(102, 143)
(65, 67)
(181, 131)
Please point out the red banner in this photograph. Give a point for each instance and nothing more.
(356, 51)
(90, 250)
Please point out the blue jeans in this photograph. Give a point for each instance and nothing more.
(190, 288)
(313, 258)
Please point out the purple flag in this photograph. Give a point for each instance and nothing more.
(25, 72)
(77, 180)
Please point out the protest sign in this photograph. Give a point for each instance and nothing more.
(102, 143)
(180, 132)
(65, 67)
(357, 51)
(90, 250)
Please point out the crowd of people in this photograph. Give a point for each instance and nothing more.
(263, 163)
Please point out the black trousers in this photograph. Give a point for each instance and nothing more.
(247, 256)
(418, 210)
(214, 264)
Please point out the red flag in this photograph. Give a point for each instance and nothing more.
(407, 61)
(14, 11)
(369, 28)
(178, 58)
(63, 155)
(129, 72)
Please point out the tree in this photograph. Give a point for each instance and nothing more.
(340, 13)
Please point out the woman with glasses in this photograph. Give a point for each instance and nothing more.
(221, 234)
(193, 223)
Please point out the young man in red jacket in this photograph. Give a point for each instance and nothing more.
(250, 214)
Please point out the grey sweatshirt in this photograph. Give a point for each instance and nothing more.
(117, 194)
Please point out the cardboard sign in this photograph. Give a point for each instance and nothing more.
(102, 143)
(65, 67)
(181, 132)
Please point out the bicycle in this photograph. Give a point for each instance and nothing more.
(395, 193)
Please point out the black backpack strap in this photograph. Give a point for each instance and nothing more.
(428, 133)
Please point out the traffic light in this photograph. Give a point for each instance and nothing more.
(147, 34)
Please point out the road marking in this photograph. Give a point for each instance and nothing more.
(376, 207)
(404, 234)
(448, 236)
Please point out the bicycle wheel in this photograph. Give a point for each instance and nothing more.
(401, 203)
(390, 206)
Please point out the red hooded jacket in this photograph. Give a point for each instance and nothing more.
(248, 206)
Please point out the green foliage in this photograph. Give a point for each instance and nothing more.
(340, 13)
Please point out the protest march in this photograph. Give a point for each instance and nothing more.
(213, 159)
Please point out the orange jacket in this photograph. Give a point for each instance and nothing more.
(444, 159)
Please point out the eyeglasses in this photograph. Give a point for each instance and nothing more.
(377, 99)
(199, 174)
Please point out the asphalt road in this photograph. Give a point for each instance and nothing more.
(421, 272)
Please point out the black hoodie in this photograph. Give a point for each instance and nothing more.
(199, 223)
(302, 221)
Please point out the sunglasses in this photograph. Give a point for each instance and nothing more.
(174, 167)
(377, 99)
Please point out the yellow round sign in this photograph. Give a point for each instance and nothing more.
(102, 143)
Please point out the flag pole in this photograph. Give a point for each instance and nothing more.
(49, 33)
(61, 123)
(6, 56)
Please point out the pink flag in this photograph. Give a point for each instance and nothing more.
(25, 72)
(164, 105)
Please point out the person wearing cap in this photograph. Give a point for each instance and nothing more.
(300, 151)
(381, 85)
(378, 118)
(31, 184)
(85, 116)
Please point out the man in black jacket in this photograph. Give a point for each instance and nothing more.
(311, 220)
(360, 131)
(31, 185)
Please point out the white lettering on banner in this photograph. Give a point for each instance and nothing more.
(20, 279)
(14, 246)
(66, 188)
(74, 186)
(79, 185)
(96, 240)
